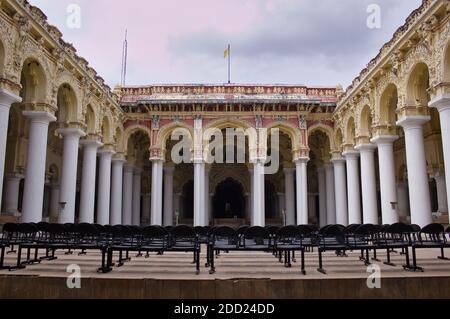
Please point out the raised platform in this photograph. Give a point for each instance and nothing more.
(239, 275)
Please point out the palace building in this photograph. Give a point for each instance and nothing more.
(74, 150)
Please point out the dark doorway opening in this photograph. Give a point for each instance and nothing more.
(229, 200)
(188, 200)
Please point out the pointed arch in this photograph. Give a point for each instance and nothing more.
(34, 81)
(388, 105)
(365, 122)
(167, 130)
(418, 84)
(329, 132)
(130, 131)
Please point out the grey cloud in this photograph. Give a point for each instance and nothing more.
(303, 31)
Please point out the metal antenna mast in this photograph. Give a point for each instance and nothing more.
(124, 60)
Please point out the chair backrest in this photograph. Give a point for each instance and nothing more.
(224, 234)
(155, 232)
(11, 231)
(183, 236)
(288, 234)
(241, 230)
(349, 230)
(183, 231)
(256, 236)
(273, 230)
(433, 233)
(28, 231)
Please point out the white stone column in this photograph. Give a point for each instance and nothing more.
(389, 202)
(353, 187)
(252, 194)
(127, 204)
(312, 209)
(177, 203)
(117, 190)
(403, 199)
(368, 184)
(211, 207)
(157, 192)
(331, 198)
(6, 99)
(259, 213)
(419, 189)
(87, 198)
(302, 191)
(146, 207)
(54, 203)
(168, 196)
(289, 195)
(206, 197)
(137, 186)
(322, 196)
(104, 187)
(442, 103)
(441, 193)
(199, 194)
(69, 173)
(33, 195)
(281, 204)
(11, 204)
(340, 186)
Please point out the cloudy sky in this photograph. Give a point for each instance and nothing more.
(312, 42)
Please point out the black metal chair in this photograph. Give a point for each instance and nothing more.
(184, 239)
(222, 239)
(289, 239)
(431, 236)
(396, 236)
(330, 238)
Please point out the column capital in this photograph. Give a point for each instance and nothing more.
(349, 154)
(91, 143)
(289, 170)
(157, 160)
(39, 116)
(7, 98)
(338, 160)
(301, 160)
(71, 132)
(128, 168)
(119, 158)
(384, 139)
(413, 121)
(169, 170)
(107, 150)
(441, 102)
(366, 147)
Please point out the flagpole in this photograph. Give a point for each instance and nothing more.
(229, 64)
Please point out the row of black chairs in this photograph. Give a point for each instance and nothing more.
(283, 242)
(286, 241)
(106, 239)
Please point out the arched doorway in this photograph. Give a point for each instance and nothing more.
(229, 201)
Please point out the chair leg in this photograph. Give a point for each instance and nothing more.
(212, 270)
(375, 258)
(367, 259)
(388, 262)
(320, 269)
(415, 267)
(303, 262)
(442, 256)
(2, 259)
(197, 254)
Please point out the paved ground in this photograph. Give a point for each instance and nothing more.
(235, 265)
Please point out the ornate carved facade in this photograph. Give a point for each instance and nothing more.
(53, 102)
